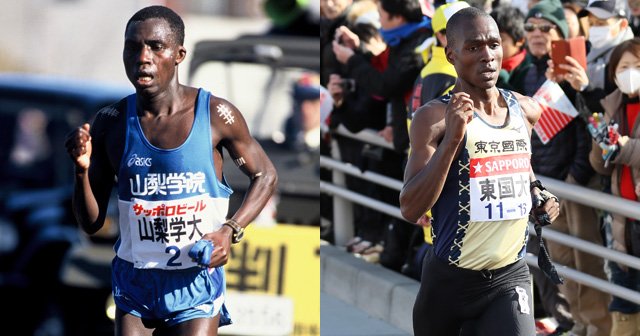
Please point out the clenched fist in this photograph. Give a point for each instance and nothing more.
(458, 114)
(78, 144)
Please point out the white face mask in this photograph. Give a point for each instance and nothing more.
(628, 81)
(599, 36)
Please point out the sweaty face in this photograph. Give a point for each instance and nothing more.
(150, 55)
(476, 52)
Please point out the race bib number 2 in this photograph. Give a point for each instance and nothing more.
(499, 187)
(162, 232)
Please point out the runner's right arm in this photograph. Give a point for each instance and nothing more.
(432, 151)
(94, 176)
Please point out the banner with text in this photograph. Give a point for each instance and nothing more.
(275, 273)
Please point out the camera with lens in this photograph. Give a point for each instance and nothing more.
(348, 85)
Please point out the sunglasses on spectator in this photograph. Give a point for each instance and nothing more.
(545, 28)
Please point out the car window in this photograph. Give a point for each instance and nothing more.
(256, 73)
(261, 93)
(32, 153)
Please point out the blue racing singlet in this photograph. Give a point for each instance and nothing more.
(168, 198)
(480, 219)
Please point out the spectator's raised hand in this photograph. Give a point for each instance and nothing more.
(347, 38)
(575, 75)
(605, 135)
(342, 53)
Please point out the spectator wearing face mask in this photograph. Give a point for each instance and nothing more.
(608, 27)
(564, 157)
(623, 107)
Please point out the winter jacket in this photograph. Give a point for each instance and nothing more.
(436, 78)
(615, 108)
(597, 71)
(567, 152)
(394, 83)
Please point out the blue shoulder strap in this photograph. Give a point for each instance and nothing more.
(512, 102)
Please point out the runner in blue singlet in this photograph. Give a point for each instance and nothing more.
(163, 144)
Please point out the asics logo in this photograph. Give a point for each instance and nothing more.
(134, 160)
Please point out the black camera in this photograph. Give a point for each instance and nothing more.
(348, 85)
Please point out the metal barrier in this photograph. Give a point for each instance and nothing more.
(343, 213)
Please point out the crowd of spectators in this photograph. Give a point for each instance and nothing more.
(382, 59)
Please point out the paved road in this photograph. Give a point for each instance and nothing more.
(338, 318)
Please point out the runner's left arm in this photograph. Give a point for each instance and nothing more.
(230, 130)
(532, 112)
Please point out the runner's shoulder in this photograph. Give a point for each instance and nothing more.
(530, 107)
(428, 124)
(110, 116)
(431, 112)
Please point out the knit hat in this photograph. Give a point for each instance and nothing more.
(444, 12)
(550, 10)
(282, 13)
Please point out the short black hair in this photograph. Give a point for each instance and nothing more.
(161, 12)
(510, 20)
(408, 9)
(457, 21)
(365, 31)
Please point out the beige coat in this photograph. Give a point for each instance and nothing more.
(629, 155)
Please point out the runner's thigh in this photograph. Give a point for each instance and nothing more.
(509, 314)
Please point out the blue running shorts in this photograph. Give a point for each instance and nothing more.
(169, 296)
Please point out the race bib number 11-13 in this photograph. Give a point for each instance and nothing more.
(499, 187)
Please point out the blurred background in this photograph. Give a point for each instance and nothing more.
(61, 61)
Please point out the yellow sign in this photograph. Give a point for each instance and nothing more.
(281, 260)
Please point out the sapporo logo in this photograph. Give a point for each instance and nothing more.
(139, 161)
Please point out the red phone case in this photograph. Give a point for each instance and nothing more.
(574, 47)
